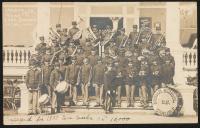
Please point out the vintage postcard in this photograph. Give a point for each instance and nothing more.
(99, 63)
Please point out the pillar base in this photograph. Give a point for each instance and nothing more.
(24, 107)
(187, 95)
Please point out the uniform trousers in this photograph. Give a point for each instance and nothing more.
(56, 99)
(109, 100)
(99, 93)
(33, 101)
(130, 92)
(74, 93)
(118, 91)
(85, 90)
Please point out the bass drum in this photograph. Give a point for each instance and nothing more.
(44, 99)
(195, 100)
(167, 102)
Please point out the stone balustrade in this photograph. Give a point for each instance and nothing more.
(190, 59)
(16, 56)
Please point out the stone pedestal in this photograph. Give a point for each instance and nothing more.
(187, 95)
(24, 107)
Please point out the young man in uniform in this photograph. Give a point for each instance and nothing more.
(55, 78)
(71, 77)
(41, 47)
(168, 67)
(109, 87)
(72, 32)
(85, 77)
(33, 81)
(133, 36)
(131, 78)
(119, 80)
(46, 72)
(143, 74)
(79, 55)
(98, 73)
(93, 58)
(155, 69)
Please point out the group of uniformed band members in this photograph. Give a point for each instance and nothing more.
(138, 60)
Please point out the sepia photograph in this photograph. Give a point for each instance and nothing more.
(99, 63)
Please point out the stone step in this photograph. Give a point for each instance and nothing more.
(93, 103)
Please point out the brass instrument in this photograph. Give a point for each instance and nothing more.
(74, 51)
(125, 41)
(55, 53)
(157, 43)
(54, 33)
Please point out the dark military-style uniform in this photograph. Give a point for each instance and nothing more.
(46, 72)
(168, 66)
(131, 79)
(93, 60)
(155, 72)
(143, 75)
(71, 77)
(55, 78)
(109, 87)
(72, 32)
(119, 81)
(33, 80)
(41, 48)
(85, 76)
(97, 79)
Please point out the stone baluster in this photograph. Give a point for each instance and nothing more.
(20, 56)
(8, 56)
(3, 56)
(16, 56)
(12, 55)
(24, 56)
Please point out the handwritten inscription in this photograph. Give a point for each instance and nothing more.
(65, 117)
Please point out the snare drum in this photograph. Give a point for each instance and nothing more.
(62, 87)
(167, 102)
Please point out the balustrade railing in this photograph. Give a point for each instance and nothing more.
(16, 56)
(190, 59)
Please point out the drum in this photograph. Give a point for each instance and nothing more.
(195, 100)
(167, 102)
(44, 99)
(62, 87)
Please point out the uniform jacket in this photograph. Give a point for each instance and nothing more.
(41, 47)
(80, 57)
(98, 73)
(109, 80)
(46, 72)
(55, 78)
(62, 69)
(33, 78)
(85, 73)
(93, 60)
(132, 37)
(71, 74)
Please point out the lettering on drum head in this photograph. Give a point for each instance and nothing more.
(165, 101)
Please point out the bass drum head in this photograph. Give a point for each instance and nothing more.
(167, 102)
(44, 99)
(62, 87)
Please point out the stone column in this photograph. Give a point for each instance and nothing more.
(24, 106)
(173, 42)
(43, 20)
(173, 38)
